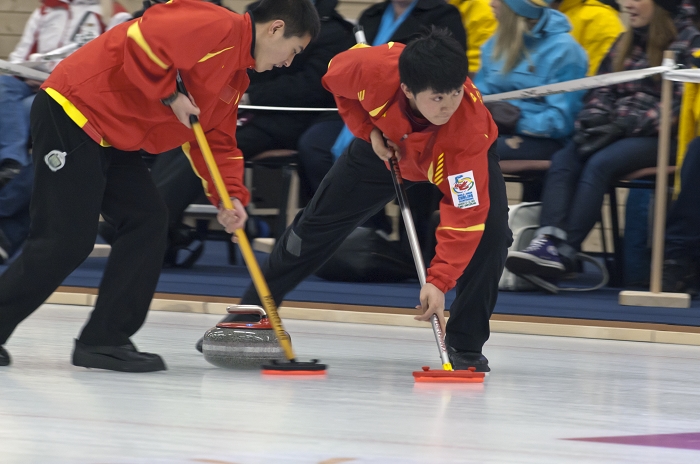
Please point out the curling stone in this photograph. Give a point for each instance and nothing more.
(242, 343)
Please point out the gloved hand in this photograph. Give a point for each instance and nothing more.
(597, 138)
(587, 121)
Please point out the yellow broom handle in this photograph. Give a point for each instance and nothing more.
(258, 280)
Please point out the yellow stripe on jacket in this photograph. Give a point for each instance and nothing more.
(77, 116)
(134, 33)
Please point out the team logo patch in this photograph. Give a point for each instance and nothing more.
(463, 189)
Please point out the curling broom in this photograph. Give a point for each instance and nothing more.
(447, 374)
(292, 367)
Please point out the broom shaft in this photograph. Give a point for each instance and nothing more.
(417, 256)
(258, 279)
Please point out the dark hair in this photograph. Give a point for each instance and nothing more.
(300, 16)
(433, 61)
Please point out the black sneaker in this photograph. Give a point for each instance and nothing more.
(124, 358)
(8, 171)
(4, 357)
(463, 360)
(680, 276)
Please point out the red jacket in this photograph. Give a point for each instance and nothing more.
(112, 86)
(366, 86)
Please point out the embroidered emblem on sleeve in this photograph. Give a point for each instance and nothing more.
(463, 190)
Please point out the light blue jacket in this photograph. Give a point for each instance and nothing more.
(552, 56)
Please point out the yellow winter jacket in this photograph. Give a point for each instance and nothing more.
(595, 26)
(688, 126)
(480, 25)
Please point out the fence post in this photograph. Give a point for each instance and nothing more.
(655, 297)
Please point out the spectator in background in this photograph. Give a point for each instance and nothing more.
(616, 133)
(258, 131)
(531, 47)
(480, 24)
(54, 24)
(594, 25)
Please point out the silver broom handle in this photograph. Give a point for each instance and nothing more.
(417, 256)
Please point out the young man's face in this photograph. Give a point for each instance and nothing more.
(273, 50)
(437, 108)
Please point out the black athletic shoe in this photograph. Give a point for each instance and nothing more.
(463, 360)
(680, 276)
(123, 358)
(4, 357)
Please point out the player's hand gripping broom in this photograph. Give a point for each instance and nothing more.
(447, 374)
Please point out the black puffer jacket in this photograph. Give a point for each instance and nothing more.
(300, 83)
(425, 14)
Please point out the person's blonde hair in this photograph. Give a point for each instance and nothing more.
(510, 37)
(662, 32)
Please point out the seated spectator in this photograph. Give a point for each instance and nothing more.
(682, 249)
(297, 85)
(594, 25)
(480, 24)
(54, 24)
(616, 133)
(531, 47)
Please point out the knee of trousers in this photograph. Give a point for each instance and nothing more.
(152, 219)
(62, 252)
(595, 171)
(10, 89)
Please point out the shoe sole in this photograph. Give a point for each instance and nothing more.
(519, 263)
(101, 361)
(480, 369)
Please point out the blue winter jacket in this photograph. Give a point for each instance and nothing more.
(552, 56)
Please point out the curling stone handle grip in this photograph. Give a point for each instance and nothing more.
(246, 309)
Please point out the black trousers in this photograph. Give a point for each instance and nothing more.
(65, 209)
(357, 186)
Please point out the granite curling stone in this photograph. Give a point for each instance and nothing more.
(240, 341)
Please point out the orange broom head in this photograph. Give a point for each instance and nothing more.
(295, 368)
(441, 376)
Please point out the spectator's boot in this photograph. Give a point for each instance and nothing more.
(680, 276)
(540, 258)
(124, 358)
(463, 360)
